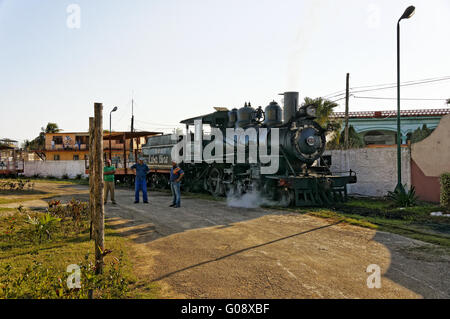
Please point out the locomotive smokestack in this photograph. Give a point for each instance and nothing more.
(290, 106)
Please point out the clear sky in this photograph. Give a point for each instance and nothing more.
(180, 58)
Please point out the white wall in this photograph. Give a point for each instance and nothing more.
(55, 168)
(376, 168)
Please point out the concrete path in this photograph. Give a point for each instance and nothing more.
(208, 250)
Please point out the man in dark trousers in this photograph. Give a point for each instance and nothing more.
(176, 174)
(108, 177)
(140, 170)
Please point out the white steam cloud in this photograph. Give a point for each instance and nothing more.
(251, 199)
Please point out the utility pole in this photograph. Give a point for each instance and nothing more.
(347, 96)
(99, 213)
(91, 175)
(132, 126)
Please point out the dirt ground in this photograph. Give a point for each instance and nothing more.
(208, 250)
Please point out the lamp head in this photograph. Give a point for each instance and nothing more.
(409, 12)
(114, 109)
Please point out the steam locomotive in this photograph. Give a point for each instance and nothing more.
(301, 177)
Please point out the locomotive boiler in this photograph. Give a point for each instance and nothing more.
(299, 178)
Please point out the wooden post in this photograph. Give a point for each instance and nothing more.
(99, 222)
(347, 96)
(125, 153)
(91, 175)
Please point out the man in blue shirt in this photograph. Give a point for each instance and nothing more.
(176, 174)
(140, 170)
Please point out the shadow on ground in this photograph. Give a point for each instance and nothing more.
(275, 253)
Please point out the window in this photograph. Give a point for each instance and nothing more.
(58, 139)
(76, 157)
(56, 157)
(80, 139)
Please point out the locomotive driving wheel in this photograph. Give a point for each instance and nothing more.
(214, 182)
(158, 181)
(287, 197)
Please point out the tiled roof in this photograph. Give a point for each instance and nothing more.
(383, 114)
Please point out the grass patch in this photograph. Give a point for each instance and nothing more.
(35, 267)
(328, 214)
(82, 181)
(26, 198)
(381, 214)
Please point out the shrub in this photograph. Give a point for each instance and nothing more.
(43, 226)
(65, 176)
(77, 210)
(404, 198)
(38, 281)
(445, 190)
(74, 215)
(16, 185)
(11, 228)
(420, 134)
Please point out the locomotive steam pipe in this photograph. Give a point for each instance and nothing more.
(290, 106)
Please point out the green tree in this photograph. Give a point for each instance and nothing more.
(354, 139)
(38, 143)
(26, 144)
(324, 109)
(420, 134)
(51, 128)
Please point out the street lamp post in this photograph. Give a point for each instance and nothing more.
(409, 12)
(110, 152)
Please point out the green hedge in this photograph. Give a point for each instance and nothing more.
(445, 190)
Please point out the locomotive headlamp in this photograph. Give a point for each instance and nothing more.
(311, 110)
(311, 140)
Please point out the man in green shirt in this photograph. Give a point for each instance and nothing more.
(108, 177)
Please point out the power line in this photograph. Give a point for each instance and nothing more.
(405, 82)
(394, 86)
(388, 86)
(340, 98)
(394, 98)
(156, 124)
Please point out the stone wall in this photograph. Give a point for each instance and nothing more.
(376, 168)
(54, 168)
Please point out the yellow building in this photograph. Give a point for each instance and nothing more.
(66, 146)
(74, 146)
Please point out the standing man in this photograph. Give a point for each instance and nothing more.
(176, 174)
(140, 170)
(108, 177)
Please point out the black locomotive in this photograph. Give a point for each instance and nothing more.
(298, 178)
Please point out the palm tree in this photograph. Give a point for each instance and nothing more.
(324, 109)
(51, 128)
(39, 142)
